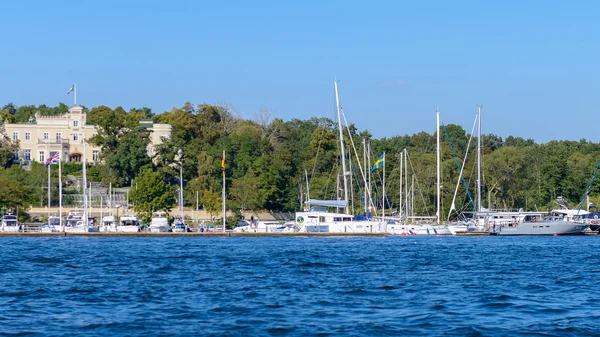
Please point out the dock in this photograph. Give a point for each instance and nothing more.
(191, 234)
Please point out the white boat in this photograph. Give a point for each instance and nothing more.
(319, 220)
(128, 224)
(397, 228)
(75, 223)
(109, 224)
(53, 225)
(264, 226)
(178, 226)
(159, 223)
(10, 223)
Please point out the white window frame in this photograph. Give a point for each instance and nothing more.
(27, 154)
(75, 124)
(59, 137)
(46, 135)
(27, 135)
(75, 136)
(16, 135)
(95, 155)
(42, 156)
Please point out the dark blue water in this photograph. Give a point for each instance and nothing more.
(463, 286)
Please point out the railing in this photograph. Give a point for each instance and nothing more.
(53, 141)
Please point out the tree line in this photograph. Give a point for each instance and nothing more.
(268, 161)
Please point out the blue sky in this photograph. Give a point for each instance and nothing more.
(533, 65)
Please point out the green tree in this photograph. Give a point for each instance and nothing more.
(152, 194)
(246, 191)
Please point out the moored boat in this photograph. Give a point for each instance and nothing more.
(128, 224)
(159, 223)
(10, 223)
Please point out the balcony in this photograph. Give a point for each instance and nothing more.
(52, 141)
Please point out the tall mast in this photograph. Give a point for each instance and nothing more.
(85, 199)
(437, 131)
(406, 183)
(339, 112)
(400, 200)
(364, 175)
(479, 158)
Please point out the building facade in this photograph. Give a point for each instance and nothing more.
(45, 136)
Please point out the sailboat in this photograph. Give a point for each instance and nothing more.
(470, 224)
(79, 221)
(420, 228)
(318, 219)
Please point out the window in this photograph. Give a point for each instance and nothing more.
(15, 136)
(16, 155)
(46, 135)
(58, 137)
(75, 136)
(94, 155)
(75, 124)
(27, 154)
(27, 135)
(42, 157)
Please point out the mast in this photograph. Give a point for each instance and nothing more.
(85, 200)
(307, 188)
(479, 159)
(223, 196)
(339, 112)
(364, 175)
(351, 185)
(59, 191)
(400, 200)
(370, 170)
(49, 194)
(406, 183)
(437, 131)
(383, 190)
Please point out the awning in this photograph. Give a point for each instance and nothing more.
(328, 203)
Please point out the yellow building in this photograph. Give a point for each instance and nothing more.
(44, 136)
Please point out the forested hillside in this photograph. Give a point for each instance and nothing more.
(267, 160)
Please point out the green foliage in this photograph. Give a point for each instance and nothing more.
(268, 160)
(152, 194)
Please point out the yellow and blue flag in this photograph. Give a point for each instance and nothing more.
(379, 163)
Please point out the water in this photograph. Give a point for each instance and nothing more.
(463, 286)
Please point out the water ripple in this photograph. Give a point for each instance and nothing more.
(413, 286)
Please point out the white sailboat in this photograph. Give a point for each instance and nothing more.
(318, 219)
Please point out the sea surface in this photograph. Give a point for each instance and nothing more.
(300, 286)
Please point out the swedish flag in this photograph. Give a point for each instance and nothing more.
(379, 163)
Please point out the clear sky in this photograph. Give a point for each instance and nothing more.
(533, 65)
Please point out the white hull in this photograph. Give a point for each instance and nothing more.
(11, 229)
(347, 227)
(128, 229)
(81, 229)
(159, 228)
(401, 229)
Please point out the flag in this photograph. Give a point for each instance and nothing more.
(72, 89)
(53, 160)
(223, 163)
(379, 163)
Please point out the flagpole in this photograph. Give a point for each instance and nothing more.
(223, 196)
(59, 192)
(74, 94)
(49, 194)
